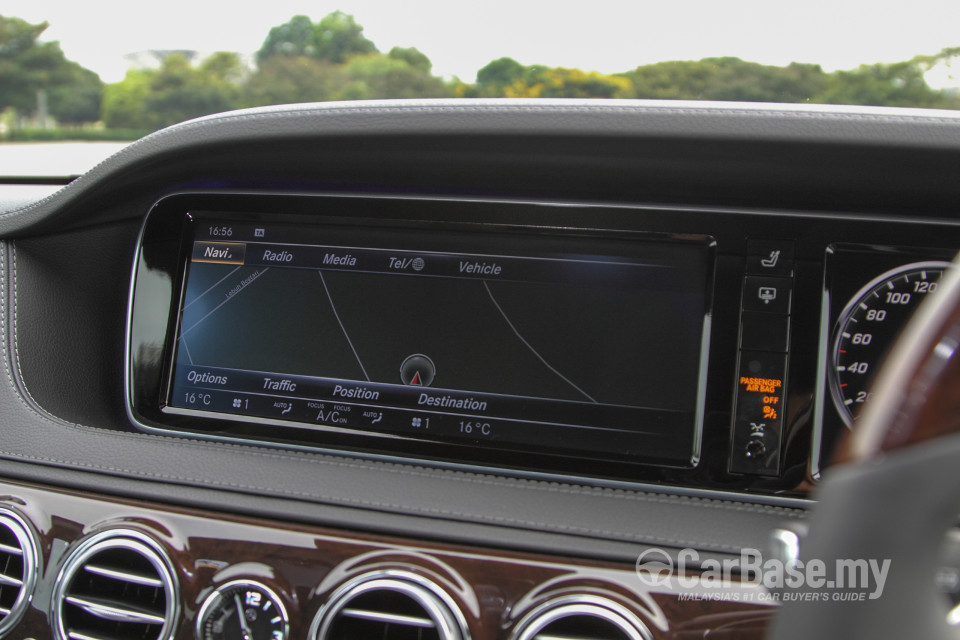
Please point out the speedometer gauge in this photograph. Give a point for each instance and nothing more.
(868, 327)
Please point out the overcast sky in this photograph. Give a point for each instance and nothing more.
(461, 37)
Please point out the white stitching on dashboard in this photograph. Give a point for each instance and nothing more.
(335, 461)
(34, 405)
(176, 130)
(619, 536)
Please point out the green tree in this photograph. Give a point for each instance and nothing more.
(752, 82)
(150, 99)
(293, 38)
(497, 75)
(125, 102)
(413, 57)
(224, 66)
(28, 65)
(79, 99)
(561, 82)
(334, 39)
(376, 76)
(727, 79)
(284, 79)
(505, 77)
(900, 84)
(337, 37)
(180, 92)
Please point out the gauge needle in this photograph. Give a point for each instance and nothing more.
(247, 634)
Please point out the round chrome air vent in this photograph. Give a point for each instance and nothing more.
(581, 617)
(390, 605)
(19, 559)
(116, 584)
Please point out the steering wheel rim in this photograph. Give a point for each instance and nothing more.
(893, 493)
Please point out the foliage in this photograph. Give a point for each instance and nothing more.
(175, 92)
(900, 84)
(78, 98)
(287, 79)
(413, 57)
(180, 92)
(338, 36)
(332, 60)
(28, 66)
(505, 77)
(73, 134)
(334, 39)
(376, 76)
(294, 38)
(559, 82)
(303, 61)
(497, 75)
(727, 79)
(124, 102)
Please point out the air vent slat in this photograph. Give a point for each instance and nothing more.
(389, 618)
(117, 612)
(73, 635)
(581, 617)
(125, 576)
(115, 585)
(10, 582)
(389, 605)
(19, 559)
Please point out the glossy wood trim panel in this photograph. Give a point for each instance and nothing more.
(303, 564)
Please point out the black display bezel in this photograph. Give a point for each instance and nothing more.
(168, 231)
(809, 417)
(848, 267)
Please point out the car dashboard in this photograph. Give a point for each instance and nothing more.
(448, 369)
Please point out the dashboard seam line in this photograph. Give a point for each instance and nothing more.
(533, 524)
(20, 381)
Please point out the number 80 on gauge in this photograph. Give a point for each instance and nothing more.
(868, 327)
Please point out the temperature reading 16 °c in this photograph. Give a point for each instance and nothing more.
(868, 327)
(194, 398)
(471, 428)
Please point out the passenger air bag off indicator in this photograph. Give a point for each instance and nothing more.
(758, 416)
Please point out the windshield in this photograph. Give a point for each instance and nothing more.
(112, 71)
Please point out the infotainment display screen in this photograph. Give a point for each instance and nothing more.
(550, 343)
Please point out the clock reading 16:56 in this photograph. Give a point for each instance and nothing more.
(220, 232)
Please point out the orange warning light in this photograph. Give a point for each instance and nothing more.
(761, 385)
(769, 412)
